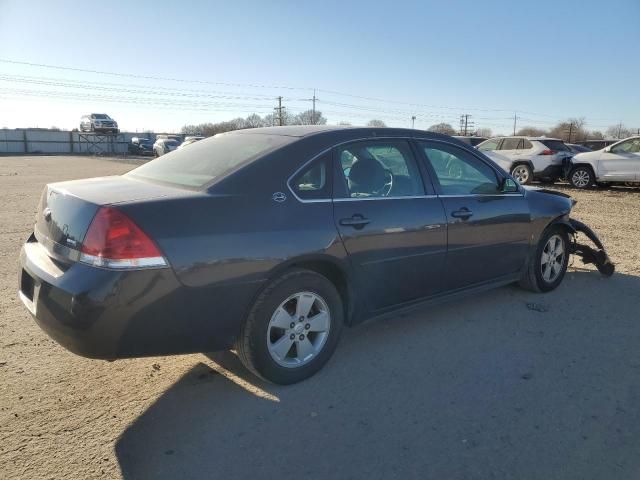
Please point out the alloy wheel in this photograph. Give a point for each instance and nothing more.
(521, 174)
(552, 259)
(581, 178)
(298, 329)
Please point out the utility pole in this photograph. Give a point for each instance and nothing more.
(515, 121)
(313, 117)
(465, 124)
(413, 121)
(278, 111)
(570, 131)
(619, 130)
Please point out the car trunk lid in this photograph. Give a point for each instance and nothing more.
(66, 209)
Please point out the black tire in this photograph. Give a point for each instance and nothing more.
(581, 177)
(524, 178)
(251, 345)
(532, 279)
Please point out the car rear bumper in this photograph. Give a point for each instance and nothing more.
(107, 314)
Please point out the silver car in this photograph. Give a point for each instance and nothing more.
(531, 158)
(98, 122)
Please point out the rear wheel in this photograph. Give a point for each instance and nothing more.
(292, 329)
(581, 177)
(522, 173)
(548, 265)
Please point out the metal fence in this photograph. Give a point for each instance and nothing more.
(34, 141)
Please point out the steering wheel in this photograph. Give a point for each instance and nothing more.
(388, 185)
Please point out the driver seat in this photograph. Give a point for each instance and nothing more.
(367, 176)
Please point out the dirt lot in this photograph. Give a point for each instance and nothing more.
(488, 387)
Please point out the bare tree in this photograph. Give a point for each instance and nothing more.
(445, 128)
(344, 124)
(253, 121)
(376, 123)
(309, 117)
(618, 131)
(569, 130)
(531, 132)
(595, 135)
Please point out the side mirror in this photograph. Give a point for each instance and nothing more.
(508, 185)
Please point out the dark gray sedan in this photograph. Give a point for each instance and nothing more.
(269, 240)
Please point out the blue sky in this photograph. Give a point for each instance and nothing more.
(545, 60)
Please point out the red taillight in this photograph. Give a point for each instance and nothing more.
(548, 152)
(114, 241)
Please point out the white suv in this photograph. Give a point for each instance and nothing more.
(529, 158)
(617, 163)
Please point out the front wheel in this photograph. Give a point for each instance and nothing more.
(548, 265)
(292, 329)
(581, 177)
(522, 173)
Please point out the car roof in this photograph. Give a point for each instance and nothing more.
(528, 138)
(302, 131)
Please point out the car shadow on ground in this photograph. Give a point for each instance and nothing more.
(507, 384)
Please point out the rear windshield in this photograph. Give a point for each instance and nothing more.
(557, 145)
(203, 161)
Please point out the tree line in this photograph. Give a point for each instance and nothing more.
(570, 130)
(308, 117)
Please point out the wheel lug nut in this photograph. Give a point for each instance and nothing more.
(301, 337)
(292, 325)
(301, 319)
(307, 326)
(292, 337)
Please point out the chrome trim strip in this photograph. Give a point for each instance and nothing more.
(408, 197)
(472, 151)
(484, 195)
(117, 264)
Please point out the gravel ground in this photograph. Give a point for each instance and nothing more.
(507, 384)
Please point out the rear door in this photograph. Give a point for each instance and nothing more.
(509, 148)
(393, 229)
(488, 229)
(621, 163)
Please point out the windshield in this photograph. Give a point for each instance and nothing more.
(202, 162)
(100, 116)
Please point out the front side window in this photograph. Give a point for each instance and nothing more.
(489, 145)
(459, 172)
(630, 146)
(313, 181)
(525, 144)
(379, 169)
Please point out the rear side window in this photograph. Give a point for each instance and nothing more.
(557, 145)
(524, 144)
(510, 144)
(313, 182)
(204, 161)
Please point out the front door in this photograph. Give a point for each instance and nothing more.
(621, 163)
(394, 232)
(488, 228)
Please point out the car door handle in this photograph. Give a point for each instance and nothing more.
(463, 213)
(356, 221)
